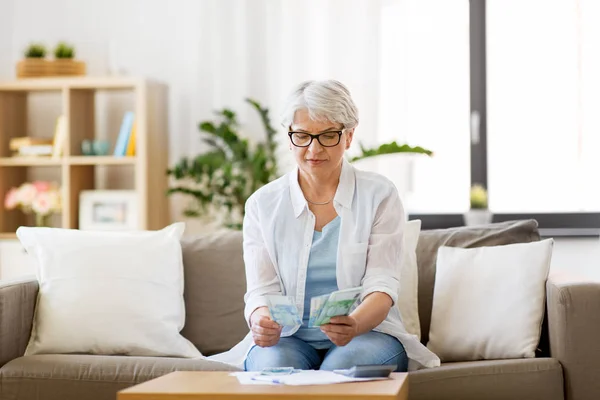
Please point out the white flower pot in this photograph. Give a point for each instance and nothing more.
(477, 217)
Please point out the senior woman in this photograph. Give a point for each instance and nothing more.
(323, 227)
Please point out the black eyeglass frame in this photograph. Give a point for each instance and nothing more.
(313, 137)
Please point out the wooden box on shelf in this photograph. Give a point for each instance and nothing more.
(41, 67)
(33, 68)
(67, 67)
(77, 172)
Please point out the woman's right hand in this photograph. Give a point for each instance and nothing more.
(265, 332)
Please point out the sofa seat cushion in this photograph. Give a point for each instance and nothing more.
(526, 379)
(90, 377)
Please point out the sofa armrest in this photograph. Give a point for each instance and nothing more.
(574, 330)
(17, 305)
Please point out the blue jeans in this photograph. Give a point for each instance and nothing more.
(370, 348)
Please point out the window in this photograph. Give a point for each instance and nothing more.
(535, 88)
(543, 97)
(425, 100)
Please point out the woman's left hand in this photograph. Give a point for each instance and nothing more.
(341, 330)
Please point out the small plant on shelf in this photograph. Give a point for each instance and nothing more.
(478, 213)
(39, 198)
(64, 51)
(479, 197)
(35, 50)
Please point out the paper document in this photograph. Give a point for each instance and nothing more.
(309, 377)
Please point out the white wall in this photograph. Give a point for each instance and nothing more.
(214, 53)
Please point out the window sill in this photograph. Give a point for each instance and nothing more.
(567, 225)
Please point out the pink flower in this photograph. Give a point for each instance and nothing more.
(42, 204)
(26, 194)
(11, 200)
(41, 186)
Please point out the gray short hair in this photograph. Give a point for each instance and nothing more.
(327, 100)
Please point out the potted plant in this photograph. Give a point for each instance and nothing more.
(396, 162)
(34, 63)
(478, 214)
(219, 182)
(64, 63)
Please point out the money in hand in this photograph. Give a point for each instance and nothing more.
(283, 310)
(335, 304)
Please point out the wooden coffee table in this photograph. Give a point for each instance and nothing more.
(196, 385)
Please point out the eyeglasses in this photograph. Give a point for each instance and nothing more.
(325, 139)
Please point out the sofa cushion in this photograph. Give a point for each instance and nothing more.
(530, 379)
(467, 237)
(109, 293)
(488, 302)
(215, 284)
(77, 377)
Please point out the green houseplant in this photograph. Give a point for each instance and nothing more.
(35, 50)
(389, 148)
(219, 182)
(64, 51)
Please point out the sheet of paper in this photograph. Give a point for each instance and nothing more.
(299, 378)
(245, 378)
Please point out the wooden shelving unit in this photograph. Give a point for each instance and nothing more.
(77, 172)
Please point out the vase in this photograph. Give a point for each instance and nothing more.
(42, 220)
(478, 217)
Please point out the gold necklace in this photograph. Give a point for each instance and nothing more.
(320, 204)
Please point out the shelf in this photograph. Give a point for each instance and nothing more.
(100, 160)
(75, 160)
(86, 82)
(87, 105)
(29, 162)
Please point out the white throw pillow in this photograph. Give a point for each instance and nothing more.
(108, 292)
(408, 299)
(488, 302)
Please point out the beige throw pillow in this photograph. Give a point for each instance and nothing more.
(108, 292)
(488, 302)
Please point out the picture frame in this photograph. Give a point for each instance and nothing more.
(108, 210)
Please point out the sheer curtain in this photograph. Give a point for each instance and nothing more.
(543, 101)
(263, 48)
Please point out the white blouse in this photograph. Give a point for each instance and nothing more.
(278, 231)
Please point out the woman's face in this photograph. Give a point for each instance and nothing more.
(316, 158)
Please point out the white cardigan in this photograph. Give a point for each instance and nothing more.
(278, 231)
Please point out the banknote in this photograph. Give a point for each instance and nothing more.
(335, 304)
(283, 310)
(316, 305)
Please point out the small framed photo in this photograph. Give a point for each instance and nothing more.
(108, 210)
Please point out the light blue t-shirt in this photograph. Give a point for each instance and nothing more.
(320, 279)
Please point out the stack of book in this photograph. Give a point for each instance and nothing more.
(29, 146)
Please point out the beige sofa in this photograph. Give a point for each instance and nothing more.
(567, 366)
